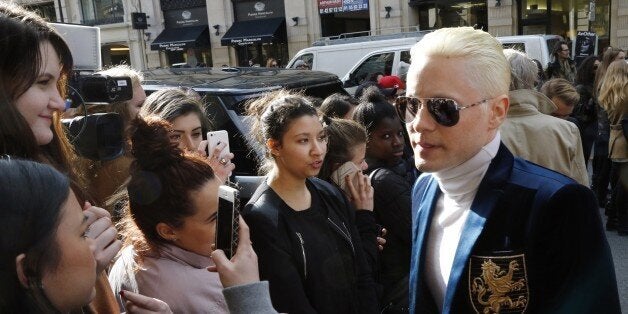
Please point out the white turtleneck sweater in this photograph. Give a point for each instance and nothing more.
(459, 185)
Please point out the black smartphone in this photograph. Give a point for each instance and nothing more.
(227, 220)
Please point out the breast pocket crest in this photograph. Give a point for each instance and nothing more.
(498, 284)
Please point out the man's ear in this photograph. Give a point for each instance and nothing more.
(19, 267)
(273, 146)
(166, 232)
(499, 110)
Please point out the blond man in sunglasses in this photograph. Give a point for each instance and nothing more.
(491, 232)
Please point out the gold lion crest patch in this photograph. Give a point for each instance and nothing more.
(498, 284)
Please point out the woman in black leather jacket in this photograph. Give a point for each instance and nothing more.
(303, 229)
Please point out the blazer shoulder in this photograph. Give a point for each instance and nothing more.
(533, 176)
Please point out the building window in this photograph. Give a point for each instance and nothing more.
(453, 14)
(99, 12)
(45, 10)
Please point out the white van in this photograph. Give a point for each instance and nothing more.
(396, 60)
(339, 53)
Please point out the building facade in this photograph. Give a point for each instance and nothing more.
(248, 32)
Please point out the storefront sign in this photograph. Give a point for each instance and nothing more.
(253, 10)
(337, 6)
(245, 41)
(173, 46)
(186, 17)
(584, 46)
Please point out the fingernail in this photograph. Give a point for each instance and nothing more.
(122, 293)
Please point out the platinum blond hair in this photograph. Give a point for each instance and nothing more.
(523, 71)
(486, 66)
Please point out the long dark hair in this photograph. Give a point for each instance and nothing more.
(21, 34)
(162, 178)
(337, 105)
(585, 75)
(273, 115)
(172, 103)
(32, 195)
(373, 108)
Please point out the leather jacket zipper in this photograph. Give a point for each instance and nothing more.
(303, 251)
(347, 235)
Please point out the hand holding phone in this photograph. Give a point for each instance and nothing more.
(227, 220)
(214, 138)
(338, 176)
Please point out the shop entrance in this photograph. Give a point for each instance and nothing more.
(565, 17)
(258, 54)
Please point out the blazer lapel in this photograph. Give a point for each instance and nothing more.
(489, 192)
(425, 194)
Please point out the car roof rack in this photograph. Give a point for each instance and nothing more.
(372, 35)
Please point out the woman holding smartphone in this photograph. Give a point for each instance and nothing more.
(303, 229)
(184, 110)
(169, 224)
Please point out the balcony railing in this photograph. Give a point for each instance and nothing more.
(104, 20)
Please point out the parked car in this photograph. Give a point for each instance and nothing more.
(396, 60)
(226, 91)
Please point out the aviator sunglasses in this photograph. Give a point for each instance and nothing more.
(445, 111)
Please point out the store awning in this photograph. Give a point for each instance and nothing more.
(255, 32)
(180, 38)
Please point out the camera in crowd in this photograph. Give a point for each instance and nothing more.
(97, 136)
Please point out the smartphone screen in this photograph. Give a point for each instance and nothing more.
(227, 220)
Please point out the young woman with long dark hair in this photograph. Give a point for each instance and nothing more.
(303, 229)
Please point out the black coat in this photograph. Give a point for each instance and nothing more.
(297, 278)
(393, 188)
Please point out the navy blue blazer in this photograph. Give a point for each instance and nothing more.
(533, 242)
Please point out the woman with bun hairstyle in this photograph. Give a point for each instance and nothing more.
(33, 69)
(392, 178)
(169, 224)
(303, 229)
(184, 110)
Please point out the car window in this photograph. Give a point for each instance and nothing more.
(550, 44)
(516, 46)
(404, 64)
(378, 63)
(307, 58)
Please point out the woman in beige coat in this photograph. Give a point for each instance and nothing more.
(613, 97)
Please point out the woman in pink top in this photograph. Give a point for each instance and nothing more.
(169, 224)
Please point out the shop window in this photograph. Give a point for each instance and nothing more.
(99, 12)
(335, 24)
(453, 14)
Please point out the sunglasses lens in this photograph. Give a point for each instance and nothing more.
(406, 108)
(444, 111)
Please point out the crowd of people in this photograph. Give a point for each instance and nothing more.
(463, 189)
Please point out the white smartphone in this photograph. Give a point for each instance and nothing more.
(216, 137)
(227, 220)
(338, 176)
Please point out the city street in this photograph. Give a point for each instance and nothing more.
(619, 247)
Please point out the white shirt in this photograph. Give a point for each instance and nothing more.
(459, 185)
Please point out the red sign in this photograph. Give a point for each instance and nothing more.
(329, 6)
